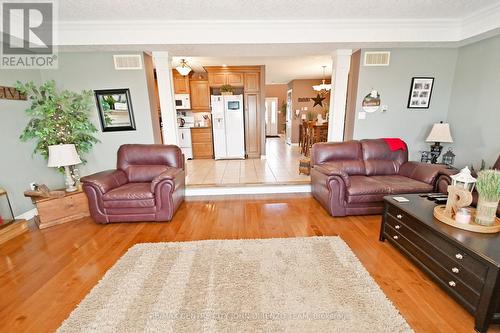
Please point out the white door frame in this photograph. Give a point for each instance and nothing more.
(289, 117)
(269, 116)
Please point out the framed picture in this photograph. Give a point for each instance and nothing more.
(115, 110)
(420, 92)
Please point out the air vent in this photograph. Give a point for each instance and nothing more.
(377, 58)
(127, 61)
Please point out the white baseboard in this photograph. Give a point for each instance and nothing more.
(232, 190)
(27, 215)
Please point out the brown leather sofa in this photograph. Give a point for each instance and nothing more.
(351, 178)
(148, 185)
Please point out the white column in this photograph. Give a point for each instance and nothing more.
(162, 61)
(338, 98)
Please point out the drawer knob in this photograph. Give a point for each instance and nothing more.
(459, 256)
(395, 237)
(455, 270)
(399, 216)
(452, 283)
(397, 226)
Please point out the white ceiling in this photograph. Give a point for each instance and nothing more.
(278, 69)
(113, 10)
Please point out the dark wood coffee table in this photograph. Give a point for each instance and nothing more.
(465, 264)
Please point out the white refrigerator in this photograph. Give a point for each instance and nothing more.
(228, 126)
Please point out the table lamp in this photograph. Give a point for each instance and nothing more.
(64, 155)
(439, 133)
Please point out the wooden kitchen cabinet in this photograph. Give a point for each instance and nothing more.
(218, 79)
(252, 82)
(234, 79)
(202, 142)
(200, 95)
(252, 125)
(181, 83)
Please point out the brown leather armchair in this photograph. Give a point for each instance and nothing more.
(148, 185)
(351, 178)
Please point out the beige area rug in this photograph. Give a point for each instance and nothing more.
(311, 284)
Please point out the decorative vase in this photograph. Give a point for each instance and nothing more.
(486, 212)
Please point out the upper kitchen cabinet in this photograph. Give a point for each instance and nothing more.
(181, 83)
(234, 79)
(252, 82)
(200, 95)
(216, 79)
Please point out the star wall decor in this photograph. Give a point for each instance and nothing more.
(318, 100)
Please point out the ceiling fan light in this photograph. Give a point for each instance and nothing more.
(183, 68)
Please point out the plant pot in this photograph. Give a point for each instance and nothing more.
(226, 93)
(486, 212)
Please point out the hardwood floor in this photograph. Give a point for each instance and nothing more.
(45, 274)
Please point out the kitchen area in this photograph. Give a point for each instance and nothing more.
(218, 111)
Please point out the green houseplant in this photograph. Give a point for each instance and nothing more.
(58, 117)
(226, 89)
(488, 187)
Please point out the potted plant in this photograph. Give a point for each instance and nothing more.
(488, 187)
(58, 117)
(226, 89)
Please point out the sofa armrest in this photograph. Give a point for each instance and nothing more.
(424, 172)
(168, 175)
(329, 170)
(105, 181)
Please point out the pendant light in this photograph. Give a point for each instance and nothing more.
(323, 86)
(183, 68)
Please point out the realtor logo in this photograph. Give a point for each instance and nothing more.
(28, 35)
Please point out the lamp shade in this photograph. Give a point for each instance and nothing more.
(183, 68)
(440, 133)
(63, 155)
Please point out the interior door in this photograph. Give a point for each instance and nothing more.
(288, 126)
(271, 116)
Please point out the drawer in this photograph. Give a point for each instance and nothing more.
(446, 280)
(451, 266)
(203, 135)
(457, 255)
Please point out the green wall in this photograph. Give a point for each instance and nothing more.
(474, 113)
(77, 71)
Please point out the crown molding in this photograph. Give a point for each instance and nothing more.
(356, 31)
(481, 22)
(256, 31)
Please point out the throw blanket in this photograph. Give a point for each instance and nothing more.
(395, 144)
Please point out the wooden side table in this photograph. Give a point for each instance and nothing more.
(54, 211)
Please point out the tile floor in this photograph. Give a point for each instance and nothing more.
(281, 166)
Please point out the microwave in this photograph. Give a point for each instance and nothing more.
(182, 102)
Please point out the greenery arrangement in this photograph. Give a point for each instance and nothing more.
(58, 117)
(488, 185)
(226, 88)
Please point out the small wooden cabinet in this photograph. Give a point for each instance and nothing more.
(252, 82)
(202, 142)
(200, 96)
(217, 79)
(53, 211)
(181, 83)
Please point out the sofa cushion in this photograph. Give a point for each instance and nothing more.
(336, 151)
(401, 184)
(366, 189)
(130, 191)
(380, 159)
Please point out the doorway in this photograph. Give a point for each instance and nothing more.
(271, 116)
